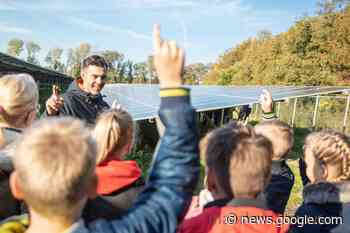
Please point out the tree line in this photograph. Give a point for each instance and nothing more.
(314, 51)
(121, 69)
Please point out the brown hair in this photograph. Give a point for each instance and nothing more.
(240, 159)
(331, 147)
(280, 134)
(113, 130)
(94, 60)
(18, 96)
(55, 165)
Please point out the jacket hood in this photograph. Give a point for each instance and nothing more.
(322, 193)
(116, 175)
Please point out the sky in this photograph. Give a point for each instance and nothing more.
(205, 28)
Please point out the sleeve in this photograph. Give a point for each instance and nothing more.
(173, 176)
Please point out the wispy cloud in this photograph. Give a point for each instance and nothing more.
(106, 28)
(8, 28)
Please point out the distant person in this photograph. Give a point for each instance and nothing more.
(238, 167)
(18, 108)
(83, 98)
(281, 136)
(327, 156)
(119, 181)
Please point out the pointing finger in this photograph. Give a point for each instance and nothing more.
(157, 41)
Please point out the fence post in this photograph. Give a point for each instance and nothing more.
(346, 113)
(222, 116)
(278, 109)
(294, 111)
(315, 112)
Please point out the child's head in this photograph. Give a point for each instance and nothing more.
(238, 161)
(281, 136)
(327, 156)
(55, 168)
(18, 100)
(114, 134)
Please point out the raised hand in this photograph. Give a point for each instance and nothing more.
(266, 101)
(55, 102)
(168, 60)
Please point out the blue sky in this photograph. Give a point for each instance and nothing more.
(206, 28)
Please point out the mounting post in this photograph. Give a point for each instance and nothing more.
(315, 112)
(294, 111)
(346, 113)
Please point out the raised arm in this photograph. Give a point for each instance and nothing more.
(267, 108)
(175, 167)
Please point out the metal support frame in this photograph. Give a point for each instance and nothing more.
(278, 109)
(256, 111)
(346, 113)
(315, 112)
(294, 111)
(222, 116)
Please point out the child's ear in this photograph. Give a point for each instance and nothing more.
(92, 189)
(15, 188)
(30, 118)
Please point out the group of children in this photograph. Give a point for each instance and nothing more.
(70, 178)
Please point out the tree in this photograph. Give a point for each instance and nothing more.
(152, 70)
(140, 72)
(32, 49)
(194, 73)
(264, 35)
(112, 58)
(15, 47)
(330, 6)
(53, 58)
(75, 57)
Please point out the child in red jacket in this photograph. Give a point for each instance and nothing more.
(238, 165)
(119, 181)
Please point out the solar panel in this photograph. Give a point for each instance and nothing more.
(142, 100)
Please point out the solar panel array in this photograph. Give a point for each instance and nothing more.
(142, 101)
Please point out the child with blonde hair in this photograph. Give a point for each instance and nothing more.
(55, 164)
(327, 158)
(18, 108)
(119, 181)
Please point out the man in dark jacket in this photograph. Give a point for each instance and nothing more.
(172, 178)
(83, 99)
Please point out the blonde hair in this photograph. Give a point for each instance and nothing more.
(280, 134)
(240, 159)
(18, 95)
(55, 165)
(113, 130)
(331, 147)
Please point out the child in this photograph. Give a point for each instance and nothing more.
(119, 181)
(55, 164)
(238, 168)
(327, 156)
(18, 108)
(280, 186)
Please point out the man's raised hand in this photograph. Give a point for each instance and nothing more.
(168, 60)
(55, 102)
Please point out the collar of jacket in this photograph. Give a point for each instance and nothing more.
(324, 192)
(74, 88)
(240, 202)
(218, 203)
(278, 165)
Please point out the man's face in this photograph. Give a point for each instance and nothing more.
(94, 78)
